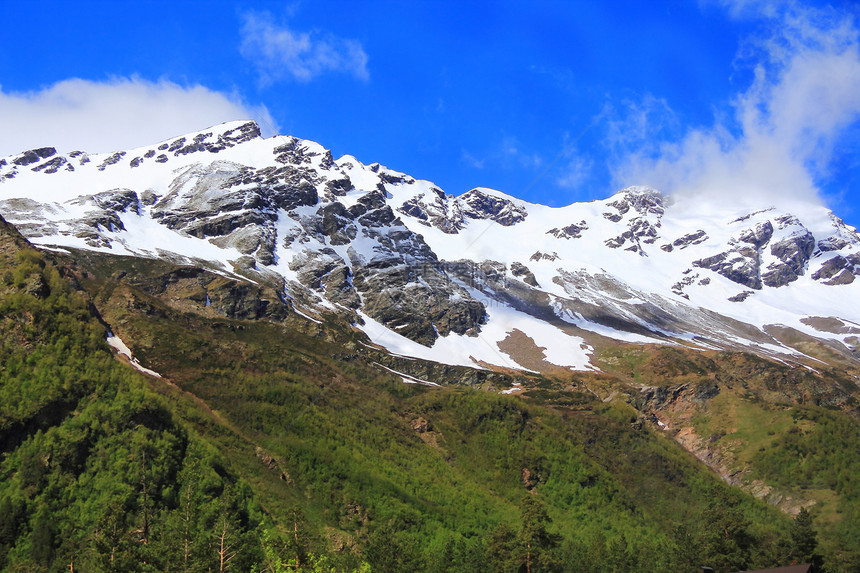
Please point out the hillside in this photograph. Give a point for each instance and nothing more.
(310, 367)
(283, 431)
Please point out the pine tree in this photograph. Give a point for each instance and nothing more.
(537, 543)
(42, 537)
(726, 539)
(804, 541)
(502, 547)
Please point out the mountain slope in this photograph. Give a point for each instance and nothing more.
(279, 300)
(98, 471)
(272, 428)
(479, 279)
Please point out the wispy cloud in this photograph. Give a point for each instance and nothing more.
(279, 53)
(508, 153)
(575, 172)
(638, 122)
(472, 160)
(512, 153)
(780, 134)
(116, 114)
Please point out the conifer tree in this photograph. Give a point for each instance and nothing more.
(536, 542)
(804, 541)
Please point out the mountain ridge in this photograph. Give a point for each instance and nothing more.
(451, 278)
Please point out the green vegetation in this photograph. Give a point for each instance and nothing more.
(97, 473)
(804, 451)
(821, 452)
(265, 448)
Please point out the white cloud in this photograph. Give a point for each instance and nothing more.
(780, 140)
(279, 53)
(750, 8)
(471, 159)
(507, 154)
(511, 151)
(638, 123)
(116, 114)
(575, 173)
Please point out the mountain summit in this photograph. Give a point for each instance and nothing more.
(481, 279)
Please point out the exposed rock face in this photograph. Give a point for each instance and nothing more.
(53, 165)
(360, 256)
(112, 160)
(645, 206)
(272, 463)
(643, 200)
(539, 256)
(386, 269)
(743, 263)
(793, 253)
(420, 425)
(403, 285)
(338, 223)
(327, 272)
(757, 236)
(678, 287)
(193, 289)
(839, 270)
(34, 156)
(677, 408)
(449, 214)
(118, 200)
(480, 205)
(741, 296)
(242, 218)
(521, 271)
(203, 141)
(530, 479)
(339, 187)
(690, 239)
(572, 231)
(740, 265)
(436, 209)
(348, 238)
(419, 309)
(101, 214)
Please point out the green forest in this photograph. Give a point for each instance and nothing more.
(268, 448)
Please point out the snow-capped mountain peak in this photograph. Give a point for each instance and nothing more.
(479, 279)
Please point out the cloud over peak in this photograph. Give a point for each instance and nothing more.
(781, 132)
(121, 113)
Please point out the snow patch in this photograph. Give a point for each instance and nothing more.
(117, 344)
(407, 379)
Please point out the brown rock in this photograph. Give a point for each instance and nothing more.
(420, 425)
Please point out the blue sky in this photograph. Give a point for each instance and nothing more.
(553, 102)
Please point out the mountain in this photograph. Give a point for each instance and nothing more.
(481, 279)
(271, 302)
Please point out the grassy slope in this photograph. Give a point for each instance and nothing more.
(788, 434)
(368, 463)
(342, 430)
(97, 471)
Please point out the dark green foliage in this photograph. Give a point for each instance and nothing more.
(535, 539)
(726, 539)
(820, 451)
(268, 451)
(94, 464)
(803, 542)
(503, 548)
